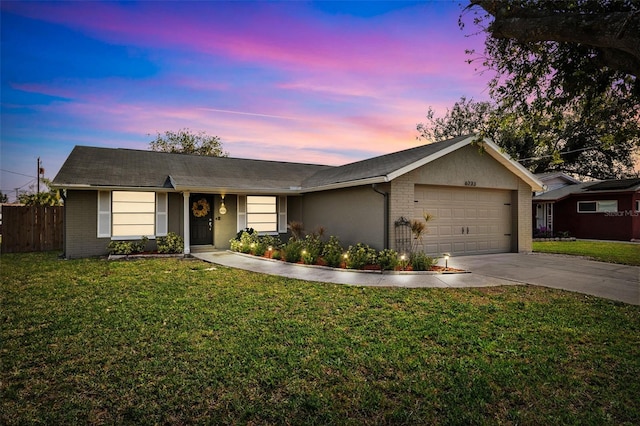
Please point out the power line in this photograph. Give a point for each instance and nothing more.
(16, 173)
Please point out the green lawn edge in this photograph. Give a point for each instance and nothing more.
(605, 251)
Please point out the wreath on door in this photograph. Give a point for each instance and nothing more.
(200, 208)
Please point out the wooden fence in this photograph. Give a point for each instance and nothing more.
(31, 228)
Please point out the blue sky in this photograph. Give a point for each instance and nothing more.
(318, 82)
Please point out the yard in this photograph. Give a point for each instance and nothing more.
(604, 251)
(180, 341)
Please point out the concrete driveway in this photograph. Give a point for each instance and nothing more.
(607, 280)
(572, 273)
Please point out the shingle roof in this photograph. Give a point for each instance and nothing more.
(88, 167)
(380, 166)
(612, 185)
(106, 167)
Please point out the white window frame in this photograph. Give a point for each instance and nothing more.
(244, 216)
(601, 206)
(105, 216)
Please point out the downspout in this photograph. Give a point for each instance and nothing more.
(63, 195)
(386, 213)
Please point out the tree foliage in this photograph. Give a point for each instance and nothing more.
(3, 197)
(566, 73)
(187, 142)
(598, 148)
(42, 198)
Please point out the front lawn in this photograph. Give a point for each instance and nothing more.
(180, 341)
(605, 251)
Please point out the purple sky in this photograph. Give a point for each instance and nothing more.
(318, 82)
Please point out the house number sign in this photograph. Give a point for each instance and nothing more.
(469, 183)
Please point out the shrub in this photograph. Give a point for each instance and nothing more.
(360, 255)
(127, 247)
(388, 259)
(245, 241)
(292, 251)
(421, 262)
(312, 246)
(172, 243)
(332, 252)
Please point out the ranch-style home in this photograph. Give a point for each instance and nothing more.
(479, 198)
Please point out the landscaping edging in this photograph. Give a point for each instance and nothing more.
(144, 256)
(554, 239)
(362, 271)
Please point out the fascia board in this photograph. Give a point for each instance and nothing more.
(512, 165)
(429, 159)
(85, 187)
(346, 184)
(238, 191)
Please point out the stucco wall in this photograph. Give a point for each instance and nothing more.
(224, 226)
(81, 216)
(354, 215)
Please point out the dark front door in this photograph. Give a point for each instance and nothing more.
(201, 219)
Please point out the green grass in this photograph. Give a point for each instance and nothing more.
(605, 251)
(173, 341)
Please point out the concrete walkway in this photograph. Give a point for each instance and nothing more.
(615, 282)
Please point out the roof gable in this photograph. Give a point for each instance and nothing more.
(390, 166)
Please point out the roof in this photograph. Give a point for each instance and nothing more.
(606, 186)
(90, 167)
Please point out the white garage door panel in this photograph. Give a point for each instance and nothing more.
(466, 220)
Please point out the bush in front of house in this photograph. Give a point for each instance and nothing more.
(312, 247)
(388, 259)
(332, 252)
(421, 262)
(127, 247)
(361, 255)
(293, 250)
(171, 243)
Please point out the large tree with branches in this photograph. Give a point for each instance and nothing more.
(569, 70)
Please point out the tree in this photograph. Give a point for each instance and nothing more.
(598, 148)
(186, 142)
(3, 198)
(569, 70)
(42, 198)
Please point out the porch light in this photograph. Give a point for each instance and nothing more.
(223, 209)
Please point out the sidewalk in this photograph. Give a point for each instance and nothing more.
(349, 277)
(607, 280)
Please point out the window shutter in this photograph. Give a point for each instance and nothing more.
(242, 212)
(104, 214)
(282, 214)
(161, 214)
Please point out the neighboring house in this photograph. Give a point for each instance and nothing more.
(604, 210)
(543, 210)
(479, 197)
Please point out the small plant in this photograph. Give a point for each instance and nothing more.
(542, 232)
(245, 241)
(332, 252)
(127, 247)
(360, 255)
(171, 243)
(421, 262)
(312, 246)
(388, 259)
(297, 230)
(293, 250)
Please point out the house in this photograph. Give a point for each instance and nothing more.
(543, 210)
(479, 197)
(603, 210)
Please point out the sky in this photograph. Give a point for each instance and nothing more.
(313, 82)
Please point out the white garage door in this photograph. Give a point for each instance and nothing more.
(466, 220)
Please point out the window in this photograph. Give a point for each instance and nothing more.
(597, 206)
(638, 205)
(132, 214)
(262, 214)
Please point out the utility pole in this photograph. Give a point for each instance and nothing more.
(38, 174)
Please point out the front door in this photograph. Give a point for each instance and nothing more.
(201, 220)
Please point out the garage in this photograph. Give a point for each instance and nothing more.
(466, 220)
